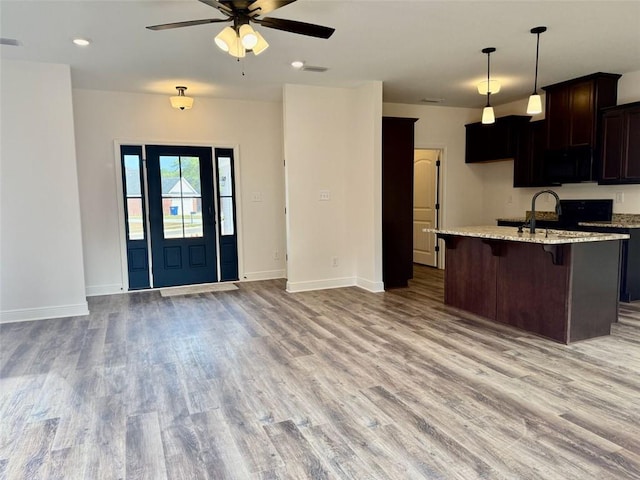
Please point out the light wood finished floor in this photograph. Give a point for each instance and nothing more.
(261, 384)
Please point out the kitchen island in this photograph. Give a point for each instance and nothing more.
(559, 284)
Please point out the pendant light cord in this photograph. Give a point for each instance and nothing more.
(488, 78)
(535, 82)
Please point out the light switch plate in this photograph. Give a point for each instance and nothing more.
(325, 195)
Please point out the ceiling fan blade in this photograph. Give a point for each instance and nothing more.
(190, 23)
(220, 6)
(293, 26)
(262, 7)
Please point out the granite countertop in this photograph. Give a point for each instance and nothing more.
(542, 235)
(618, 220)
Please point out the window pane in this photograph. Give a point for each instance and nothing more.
(190, 167)
(132, 175)
(181, 197)
(134, 218)
(224, 177)
(192, 215)
(226, 216)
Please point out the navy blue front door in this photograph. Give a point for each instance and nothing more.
(182, 216)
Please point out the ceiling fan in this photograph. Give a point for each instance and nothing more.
(242, 37)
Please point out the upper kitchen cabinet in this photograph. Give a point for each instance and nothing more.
(620, 144)
(528, 168)
(496, 141)
(572, 109)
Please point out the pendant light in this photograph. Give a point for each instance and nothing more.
(487, 113)
(535, 103)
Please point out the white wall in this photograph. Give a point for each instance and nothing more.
(253, 128)
(332, 139)
(41, 245)
(501, 200)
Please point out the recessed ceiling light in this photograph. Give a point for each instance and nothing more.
(81, 42)
(297, 64)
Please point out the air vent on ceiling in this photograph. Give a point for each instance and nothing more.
(432, 100)
(12, 42)
(311, 68)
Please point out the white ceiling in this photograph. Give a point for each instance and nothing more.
(419, 49)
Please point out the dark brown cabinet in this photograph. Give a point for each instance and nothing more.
(397, 201)
(528, 166)
(497, 141)
(620, 144)
(572, 109)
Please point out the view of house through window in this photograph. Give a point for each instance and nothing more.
(181, 197)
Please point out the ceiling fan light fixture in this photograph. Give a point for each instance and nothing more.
(248, 36)
(261, 45)
(181, 101)
(236, 49)
(226, 38)
(492, 86)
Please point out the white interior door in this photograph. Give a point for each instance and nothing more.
(424, 200)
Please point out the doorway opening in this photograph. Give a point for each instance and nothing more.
(426, 205)
(180, 215)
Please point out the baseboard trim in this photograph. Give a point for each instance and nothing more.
(44, 313)
(97, 290)
(294, 287)
(368, 285)
(265, 275)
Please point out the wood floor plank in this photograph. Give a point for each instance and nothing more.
(145, 455)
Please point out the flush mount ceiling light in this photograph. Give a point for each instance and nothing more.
(494, 87)
(181, 101)
(487, 113)
(535, 103)
(297, 64)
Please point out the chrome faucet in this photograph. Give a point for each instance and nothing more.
(532, 222)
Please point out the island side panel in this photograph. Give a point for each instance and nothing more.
(594, 289)
(533, 292)
(470, 276)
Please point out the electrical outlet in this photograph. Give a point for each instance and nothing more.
(325, 195)
(619, 197)
(256, 197)
(276, 255)
(334, 262)
(510, 199)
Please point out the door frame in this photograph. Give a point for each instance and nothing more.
(440, 176)
(122, 232)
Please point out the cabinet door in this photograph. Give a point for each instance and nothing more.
(582, 114)
(612, 146)
(528, 168)
(631, 159)
(558, 118)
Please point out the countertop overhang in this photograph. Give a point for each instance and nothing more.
(542, 235)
